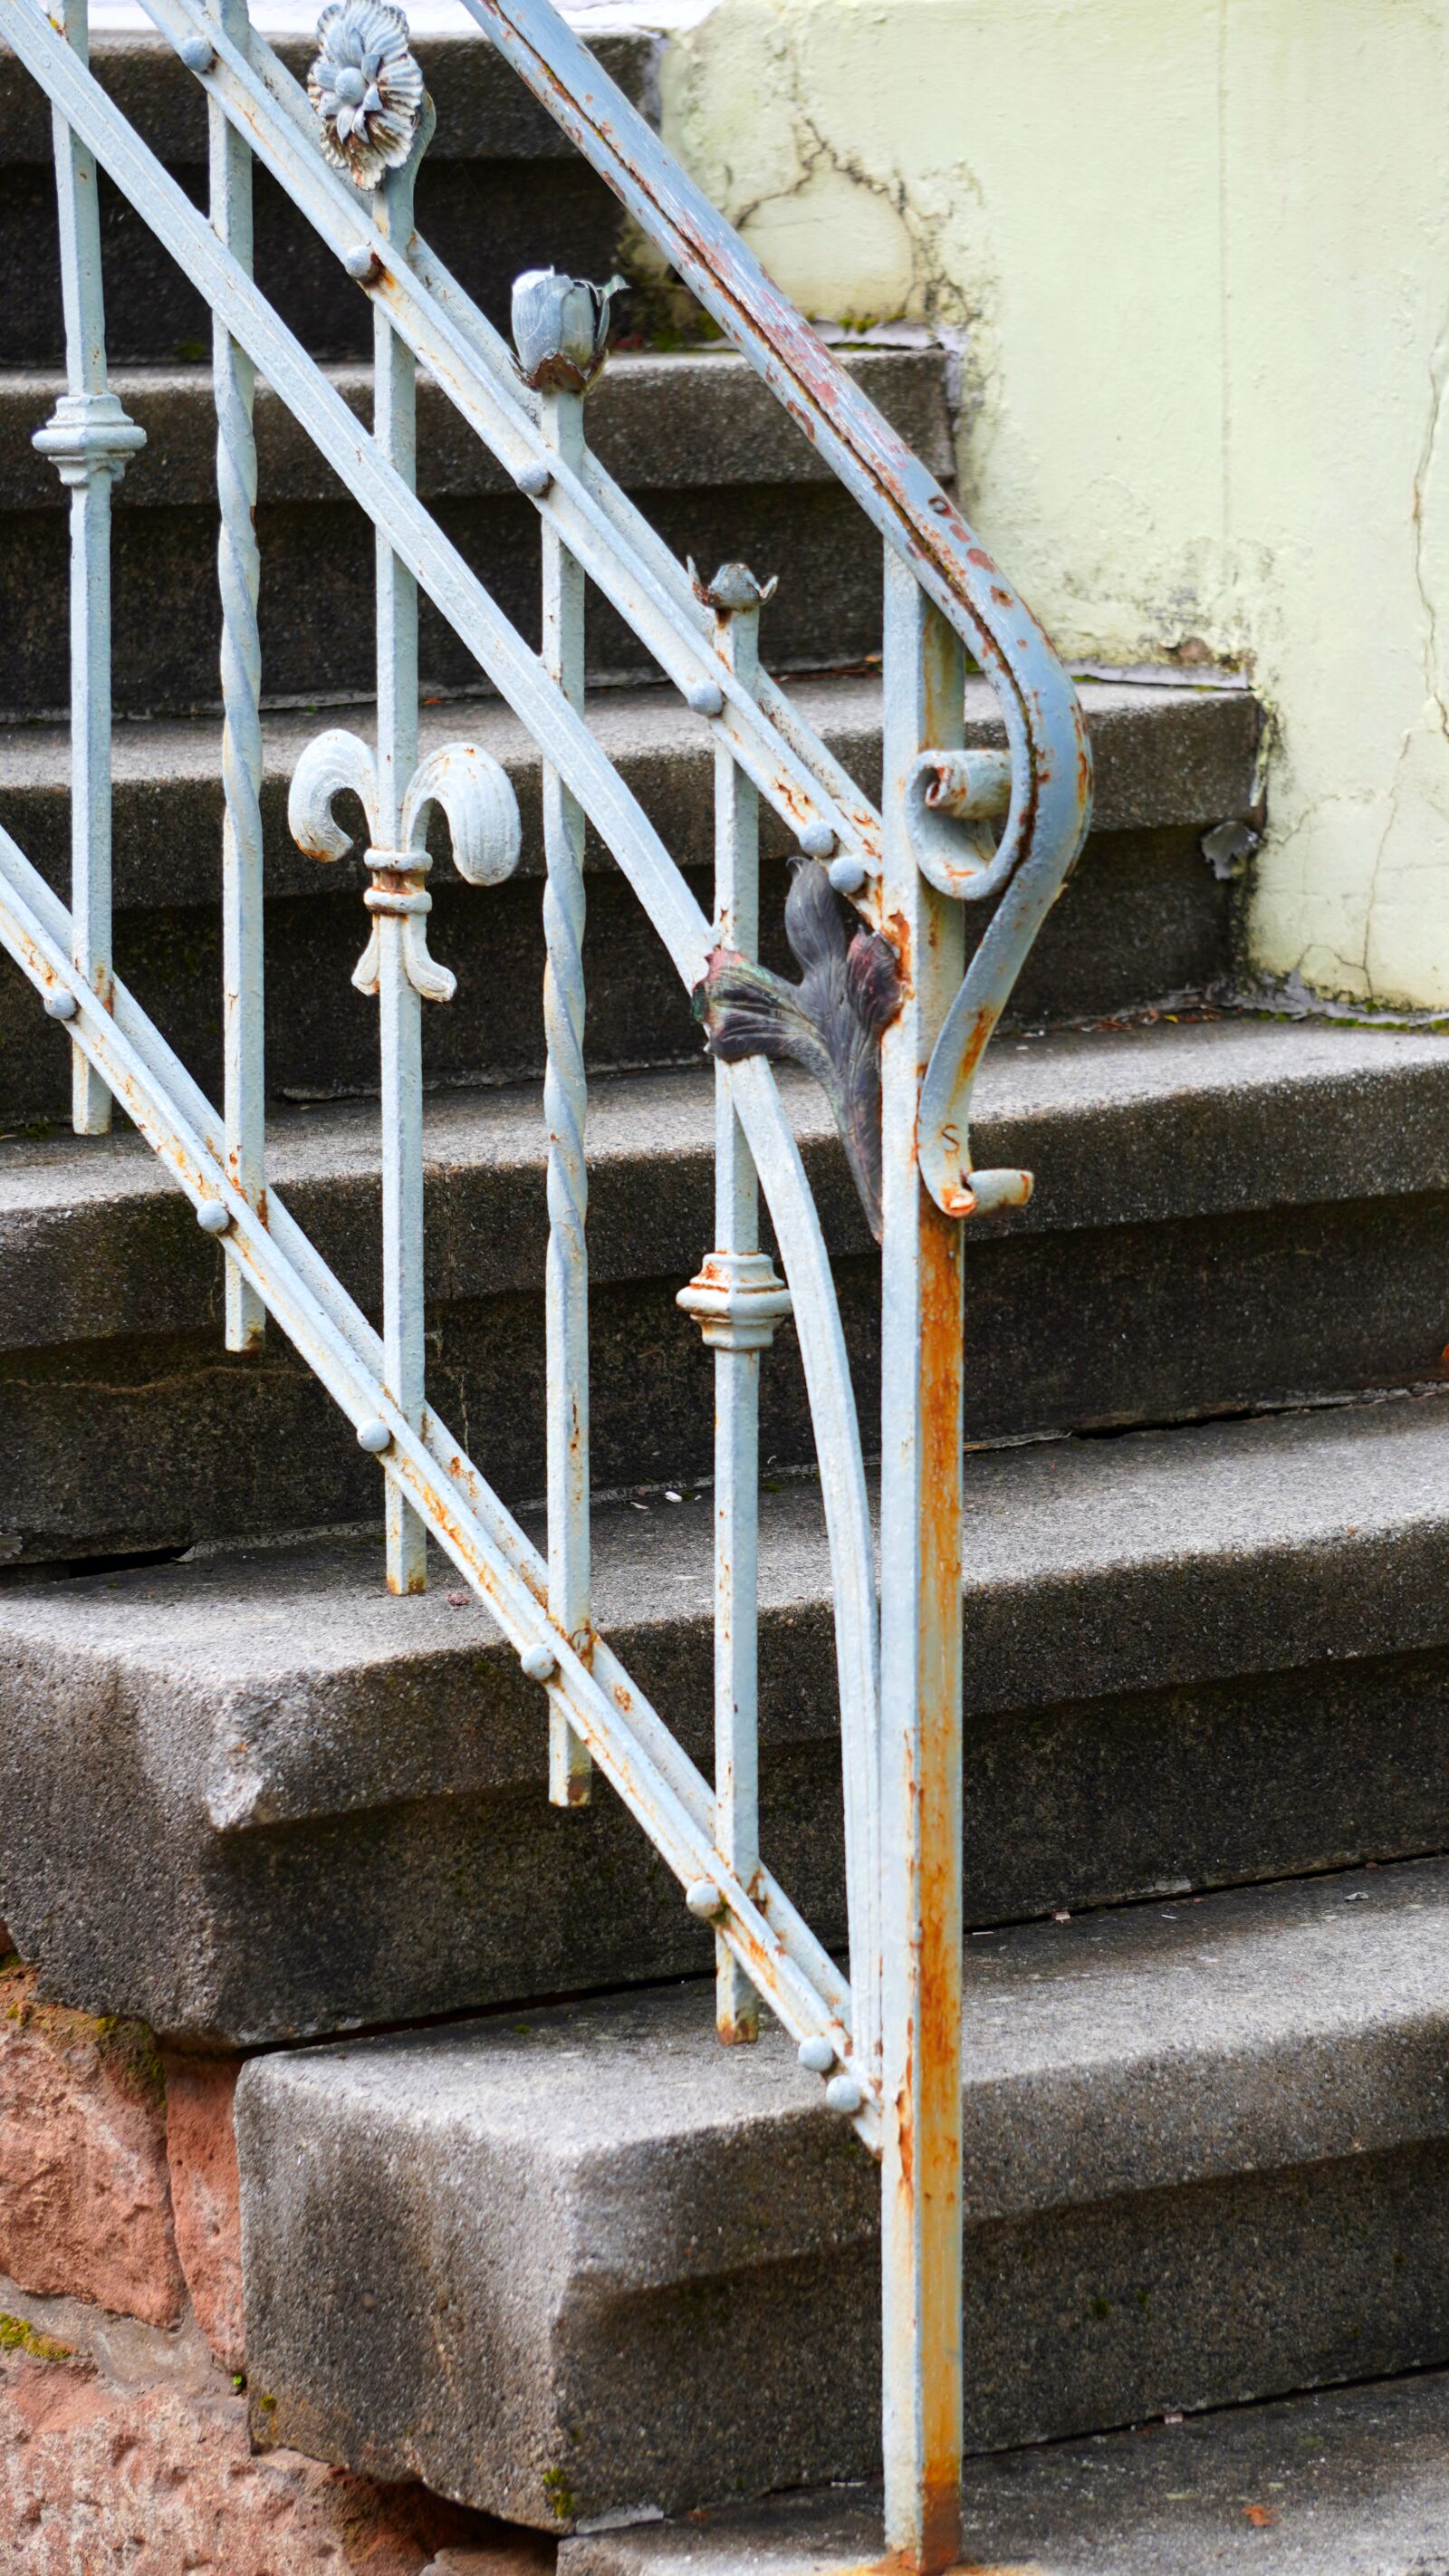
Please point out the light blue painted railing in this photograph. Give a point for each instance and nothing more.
(885, 1015)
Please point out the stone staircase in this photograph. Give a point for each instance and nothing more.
(567, 2261)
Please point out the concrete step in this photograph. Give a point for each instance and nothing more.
(1342, 2482)
(1198, 1244)
(1143, 916)
(1205, 2161)
(500, 191)
(721, 468)
(251, 1795)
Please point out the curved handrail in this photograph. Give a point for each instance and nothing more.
(1051, 761)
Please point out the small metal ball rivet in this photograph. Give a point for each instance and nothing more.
(61, 1006)
(704, 697)
(534, 480)
(704, 1899)
(848, 875)
(843, 2094)
(373, 1436)
(358, 260)
(197, 54)
(212, 1217)
(539, 1662)
(816, 2054)
(817, 841)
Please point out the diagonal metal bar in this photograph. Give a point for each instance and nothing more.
(1050, 758)
(630, 1743)
(566, 742)
(621, 554)
(1051, 761)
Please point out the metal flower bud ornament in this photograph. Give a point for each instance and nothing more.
(366, 87)
(561, 329)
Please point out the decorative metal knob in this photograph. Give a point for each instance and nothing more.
(366, 87)
(561, 329)
(737, 1301)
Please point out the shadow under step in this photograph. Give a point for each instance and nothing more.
(251, 1795)
(1205, 2158)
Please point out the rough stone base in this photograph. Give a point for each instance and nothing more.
(114, 2474)
(84, 2197)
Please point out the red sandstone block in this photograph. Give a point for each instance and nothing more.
(206, 2196)
(160, 2482)
(84, 2201)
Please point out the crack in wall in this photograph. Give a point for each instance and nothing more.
(1434, 693)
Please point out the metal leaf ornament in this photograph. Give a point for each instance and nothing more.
(830, 1022)
(366, 87)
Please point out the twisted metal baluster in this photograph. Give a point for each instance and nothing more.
(239, 574)
(90, 442)
(560, 329)
(565, 1112)
(737, 1302)
(400, 998)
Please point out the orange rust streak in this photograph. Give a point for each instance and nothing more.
(938, 2077)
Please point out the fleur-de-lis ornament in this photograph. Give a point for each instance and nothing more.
(366, 87)
(482, 811)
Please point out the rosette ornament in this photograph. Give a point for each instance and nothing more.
(366, 87)
(561, 329)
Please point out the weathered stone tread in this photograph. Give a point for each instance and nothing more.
(1342, 2482)
(1125, 1127)
(1165, 758)
(1148, 2092)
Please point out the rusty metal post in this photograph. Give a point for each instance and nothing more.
(921, 1363)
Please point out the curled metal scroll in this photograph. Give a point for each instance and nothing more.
(952, 799)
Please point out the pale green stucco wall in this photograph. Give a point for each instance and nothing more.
(1200, 253)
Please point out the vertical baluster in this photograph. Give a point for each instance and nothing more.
(565, 1109)
(737, 1301)
(239, 581)
(561, 331)
(399, 999)
(90, 441)
(920, 1545)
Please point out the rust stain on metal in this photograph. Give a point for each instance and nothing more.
(899, 2562)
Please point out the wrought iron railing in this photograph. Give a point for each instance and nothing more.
(885, 1014)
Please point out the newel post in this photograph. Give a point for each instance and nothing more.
(920, 1527)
